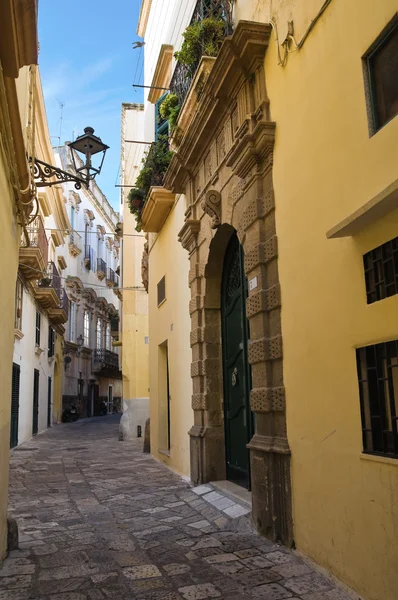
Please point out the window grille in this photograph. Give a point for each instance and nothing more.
(162, 290)
(378, 391)
(381, 271)
(382, 76)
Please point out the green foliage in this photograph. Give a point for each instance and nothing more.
(155, 163)
(169, 110)
(202, 38)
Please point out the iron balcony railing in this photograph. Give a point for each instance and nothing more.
(75, 239)
(183, 76)
(105, 360)
(37, 237)
(64, 302)
(110, 276)
(101, 266)
(52, 279)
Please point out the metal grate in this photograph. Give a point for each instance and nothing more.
(378, 390)
(381, 271)
(162, 290)
(16, 371)
(183, 76)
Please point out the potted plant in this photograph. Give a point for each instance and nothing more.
(169, 110)
(155, 164)
(202, 38)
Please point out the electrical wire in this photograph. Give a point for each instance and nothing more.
(67, 232)
(93, 285)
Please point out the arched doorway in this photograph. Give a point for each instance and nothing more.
(238, 418)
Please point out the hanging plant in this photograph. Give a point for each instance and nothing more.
(170, 109)
(155, 163)
(202, 38)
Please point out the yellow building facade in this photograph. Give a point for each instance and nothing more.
(134, 321)
(18, 47)
(284, 176)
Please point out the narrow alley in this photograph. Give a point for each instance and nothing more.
(99, 519)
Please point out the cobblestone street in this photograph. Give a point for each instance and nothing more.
(98, 519)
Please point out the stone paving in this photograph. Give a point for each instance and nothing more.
(98, 519)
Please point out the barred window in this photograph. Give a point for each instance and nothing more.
(378, 390)
(381, 271)
(382, 76)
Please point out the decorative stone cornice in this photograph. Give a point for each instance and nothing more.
(188, 236)
(211, 205)
(162, 75)
(232, 84)
(156, 210)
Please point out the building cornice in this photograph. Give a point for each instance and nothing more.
(221, 93)
(143, 18)
(162, 75)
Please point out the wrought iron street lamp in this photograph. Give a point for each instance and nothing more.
(87, 144)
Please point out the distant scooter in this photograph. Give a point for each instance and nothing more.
(103, 409)
(70, 414)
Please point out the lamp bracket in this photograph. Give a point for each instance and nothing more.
(42, 171)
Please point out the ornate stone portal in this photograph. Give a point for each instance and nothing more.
(224, 166)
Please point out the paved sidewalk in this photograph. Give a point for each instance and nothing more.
(98, 519)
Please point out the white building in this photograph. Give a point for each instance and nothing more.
(92, 366)
(40, 299)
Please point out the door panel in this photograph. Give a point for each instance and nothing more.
(236, 371)
(16, 372)
(35, 419)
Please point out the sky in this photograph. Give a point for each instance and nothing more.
(87, 63)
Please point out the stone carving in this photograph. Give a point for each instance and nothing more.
(211, 205)
(145, 267)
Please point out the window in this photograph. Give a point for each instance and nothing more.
(18, 305)
(37, 336)
(99, 334)
(72, 217)
(381, 76)
(378, 391)
(72, 321)
(108, 341)
(86, 328)
(162, 290)
(381, 271)
(51, 342)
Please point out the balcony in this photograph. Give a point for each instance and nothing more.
(87, 257)
(59, 315)
(106, 363)
(157, 208)
(48, 290)
(101, 268)
(75, 243)
(33, 255)
(204, 9)
(110, 277)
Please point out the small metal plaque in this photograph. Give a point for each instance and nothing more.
(253, 283)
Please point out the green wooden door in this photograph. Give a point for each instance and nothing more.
(236, 371)
(16, 372)
(35, 415)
